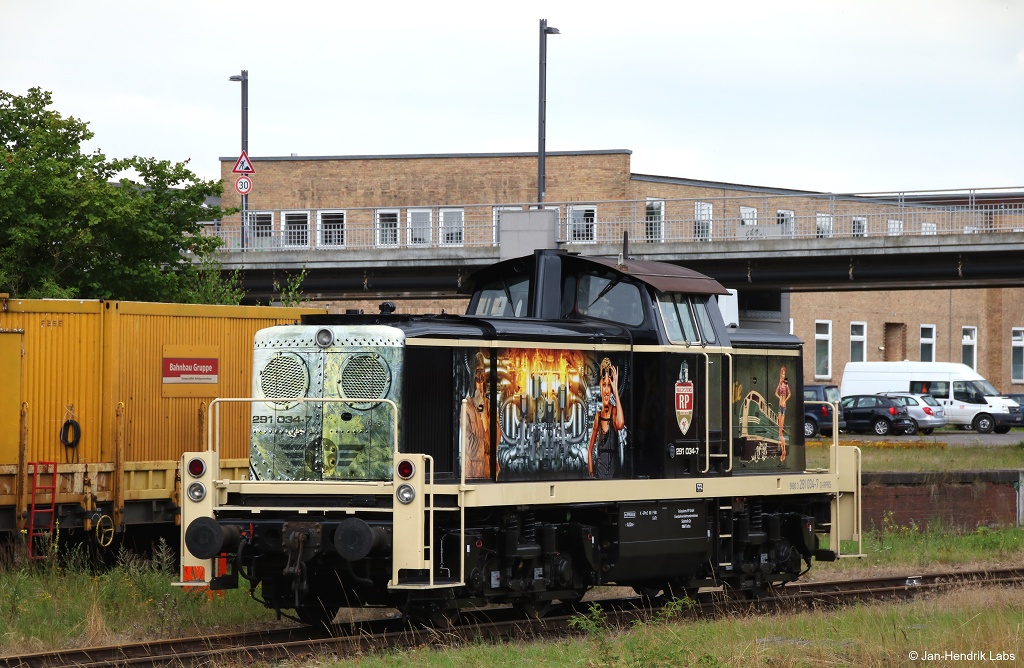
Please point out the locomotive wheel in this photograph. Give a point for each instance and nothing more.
(532, 608)
(317, 613)
(577, 597)
(669, 590)
(653, 592)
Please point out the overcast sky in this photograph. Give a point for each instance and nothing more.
(829, 95)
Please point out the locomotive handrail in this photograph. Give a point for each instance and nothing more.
(729, 414)
(213, 422)
(707, 413)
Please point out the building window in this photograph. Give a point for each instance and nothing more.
(654, 220)
(703, 212)
(386, 224)
(748, 215)
(927, 343)
(330, 228)
(929, 229)
(419, 222)
(1017, 355)
(860, 226)
(895, 227)
(261, 227)
(969, 346)
(582, 224)
(858, 342)
(787, 219)
(823, 225)
(295, 225)
(822, 348)
(452, 227)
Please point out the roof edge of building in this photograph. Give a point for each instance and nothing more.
(424, 156)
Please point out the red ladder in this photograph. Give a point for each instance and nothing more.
(42, 515)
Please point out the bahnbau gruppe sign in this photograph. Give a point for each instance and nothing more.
(193, 370)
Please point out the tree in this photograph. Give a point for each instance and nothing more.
(67, 229)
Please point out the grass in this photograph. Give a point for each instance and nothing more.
(866, 635)
(924, 456)
(65, 603)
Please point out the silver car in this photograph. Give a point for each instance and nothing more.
(925, 411)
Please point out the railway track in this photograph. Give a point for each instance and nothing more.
(356, 638)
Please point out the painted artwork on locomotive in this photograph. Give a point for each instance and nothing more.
(559, 414)
(761, 394)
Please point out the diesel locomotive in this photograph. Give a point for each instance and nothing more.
(588, 421)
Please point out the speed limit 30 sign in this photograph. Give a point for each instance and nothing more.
(243, 184)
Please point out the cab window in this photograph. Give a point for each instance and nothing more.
(607, 298)
(505, 298)
(686, 319)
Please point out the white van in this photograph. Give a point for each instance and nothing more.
(968, 399)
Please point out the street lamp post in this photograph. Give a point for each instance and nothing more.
(542, 115)
(244, 78)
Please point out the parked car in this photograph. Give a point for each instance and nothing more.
(924, 410)
(877, 414)
(818, 416)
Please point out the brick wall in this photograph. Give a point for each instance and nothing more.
(961, 500)
(305, 183)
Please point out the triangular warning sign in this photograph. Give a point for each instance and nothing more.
(243, 166)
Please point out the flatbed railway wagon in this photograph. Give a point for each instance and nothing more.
(100, 398)
(589, 421)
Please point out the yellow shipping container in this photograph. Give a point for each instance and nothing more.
(134, 378)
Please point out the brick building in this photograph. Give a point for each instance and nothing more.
(340, 205)
(981, 327)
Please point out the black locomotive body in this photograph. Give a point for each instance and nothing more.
(587, 422)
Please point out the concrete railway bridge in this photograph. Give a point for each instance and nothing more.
(772, 245)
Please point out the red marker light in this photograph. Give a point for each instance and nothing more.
(406, 469)
(196, 467)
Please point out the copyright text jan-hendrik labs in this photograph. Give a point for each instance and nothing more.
(950, 655)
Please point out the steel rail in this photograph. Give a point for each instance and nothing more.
(494, 624)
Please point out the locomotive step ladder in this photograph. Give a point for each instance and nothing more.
(42, 513)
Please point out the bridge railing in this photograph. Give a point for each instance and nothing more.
(684, 220)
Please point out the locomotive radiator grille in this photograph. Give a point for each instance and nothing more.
(365, 377)
(284, 376)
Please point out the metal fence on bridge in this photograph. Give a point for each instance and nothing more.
(751, 218)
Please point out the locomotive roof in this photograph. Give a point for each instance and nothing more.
(665, 277)
(659, 275)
